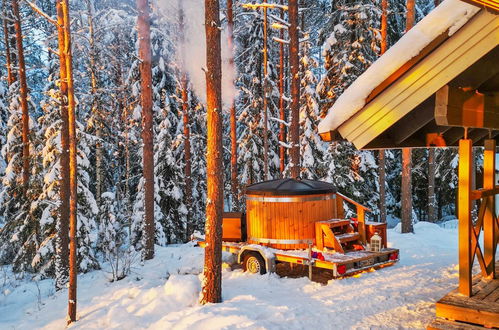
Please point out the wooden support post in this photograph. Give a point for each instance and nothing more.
(464, 215)
(319, 237)
(489, 247)
(361, 217)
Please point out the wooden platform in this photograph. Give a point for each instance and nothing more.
(455, 311)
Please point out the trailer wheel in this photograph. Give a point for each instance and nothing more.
(254, 263)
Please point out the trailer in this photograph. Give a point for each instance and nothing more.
(302, 222)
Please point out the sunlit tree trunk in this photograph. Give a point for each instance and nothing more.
(62, 241)
(144, 33)
(23, 92)
(233, 119)
(384, 26)
(294, 62)
(212, 284)
(282, 104)
(66, 61)
(406, 188)
(411, 14)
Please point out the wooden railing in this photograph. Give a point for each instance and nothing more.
(469, 234)
(361, 215)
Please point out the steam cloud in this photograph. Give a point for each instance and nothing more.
(192, 54)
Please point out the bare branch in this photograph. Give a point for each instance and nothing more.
(40, 12)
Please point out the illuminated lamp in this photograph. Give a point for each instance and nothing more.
(376, 242)
(341, 269)
(326, 136)
(435, 140)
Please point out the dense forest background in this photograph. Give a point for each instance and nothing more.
(340, 39)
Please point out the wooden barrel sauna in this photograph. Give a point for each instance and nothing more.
(282, 213)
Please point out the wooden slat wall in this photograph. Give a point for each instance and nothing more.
(288, 220)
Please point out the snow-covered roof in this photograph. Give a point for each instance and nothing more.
(448, 17)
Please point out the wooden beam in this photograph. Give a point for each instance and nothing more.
(414, 121)
(456, 107)
(489, 244)
(464, 214)
(490, 5)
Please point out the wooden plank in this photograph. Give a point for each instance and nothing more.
(486, 290)
(468, 310)
(442, 324)
(489, 179)
(464, 215)
(456, 107)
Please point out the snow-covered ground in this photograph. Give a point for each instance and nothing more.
(163, 294)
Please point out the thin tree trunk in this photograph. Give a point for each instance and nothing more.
(406, 191)
(23, 91)
(212, 285)
(187, 132)
(382, 165)
(8, 56)
(187, 154)
(233, 118)
(73, 183)
(384, 26)
(99, 173)
(431, 186)
(62, 242)
(407, 153)
(144, 31)
(411, 15)
(294, 62)
(282, 105)
(265, 97)
(382, 185)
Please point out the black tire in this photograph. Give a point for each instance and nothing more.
(253, 263)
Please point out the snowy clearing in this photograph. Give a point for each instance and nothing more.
(163, 294)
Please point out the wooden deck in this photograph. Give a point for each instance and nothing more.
(456, 311)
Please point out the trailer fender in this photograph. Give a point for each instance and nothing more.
(266, 254)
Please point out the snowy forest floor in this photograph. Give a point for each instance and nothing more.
(163, 294)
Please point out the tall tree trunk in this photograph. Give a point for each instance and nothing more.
(382, 165)
(144, 32)
(382, 185)
(384, 26)
(187, 131)
(62, 240)
(411, 15)
(99, 155)
(406, 191)
(265, 97)
(233, 119)
(7, 40)
(73, 169)
(407, 153)
(212, 285)
(282, 105)
(23, 91)
(431, 186)
(294, 62)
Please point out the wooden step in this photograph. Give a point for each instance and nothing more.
(336, 222)
(344, 238)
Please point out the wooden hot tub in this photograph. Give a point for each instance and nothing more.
(282, 213)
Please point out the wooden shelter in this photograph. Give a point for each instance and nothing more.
(447, 94)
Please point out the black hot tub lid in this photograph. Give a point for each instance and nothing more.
(290, 187)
